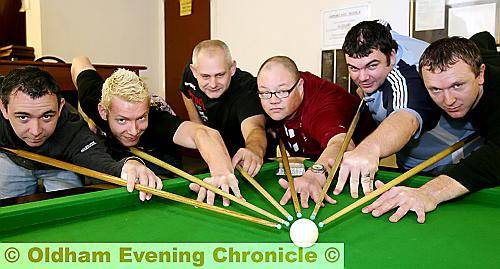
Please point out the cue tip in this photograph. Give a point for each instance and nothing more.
(278, 226)
(290, 218)
(299, 215)
(312, 217)
(321, 224)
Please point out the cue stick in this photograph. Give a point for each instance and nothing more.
(202, 183)
(264, 192)
(118, 181)
(400, 178)
(338, 158)
(291, 185)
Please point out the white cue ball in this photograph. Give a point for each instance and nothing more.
(304, 233)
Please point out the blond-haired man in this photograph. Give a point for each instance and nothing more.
(122, 110)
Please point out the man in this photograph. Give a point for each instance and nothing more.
(386, 72)
(122, 110)
(36, 118)
(311, 115)
(223, 97)
(464, 86)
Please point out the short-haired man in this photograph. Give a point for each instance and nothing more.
(223, 97)
(121, 108)
(311, 115)
(409, 123)
(463, 86)
(36, 118)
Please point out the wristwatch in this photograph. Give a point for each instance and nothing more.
(319, 169)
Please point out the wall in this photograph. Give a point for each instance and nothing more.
(111, 31)
(258, 29)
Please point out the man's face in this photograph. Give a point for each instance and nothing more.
(370, 72)
(213, 73)
(127, 120)
(277, 79)
(33, 120)
(456, 90)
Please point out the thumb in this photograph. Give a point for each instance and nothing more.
(379, 184)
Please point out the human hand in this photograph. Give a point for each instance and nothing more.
(361, 164)
(134, 171)
(224, 182)
(249, 161)
(406, 199)
(307, 186)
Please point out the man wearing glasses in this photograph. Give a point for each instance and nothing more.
(311, 115)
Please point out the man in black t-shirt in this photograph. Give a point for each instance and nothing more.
(223, 97)
(464, 86)
(125, 116)
(35, 118)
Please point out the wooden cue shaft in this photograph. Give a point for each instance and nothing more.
(264, 192)
(400, 179)
(291, 185)
(338, 158)
(202, 183)
(118, 181)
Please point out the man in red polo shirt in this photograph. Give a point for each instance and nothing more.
(311, 116)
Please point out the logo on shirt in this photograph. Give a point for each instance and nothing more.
(91, 144)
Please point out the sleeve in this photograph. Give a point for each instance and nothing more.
(334, 115)
(479, 170)
(187, 78)
(89, 85)
(162, 127)
(408, 93)
(248, 104)
(84, 149)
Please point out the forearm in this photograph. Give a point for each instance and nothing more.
(392, 134)
(256, 141)
(443, 188)
(213, 150)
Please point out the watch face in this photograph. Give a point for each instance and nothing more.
(318, 168)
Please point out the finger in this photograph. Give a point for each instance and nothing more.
(379, 184)
(246, 164)
(366, 185)
(159, 183)
(225, 188)
(381, 200)
(143, 180)
(304, 199)
(257, 168)
(420, 215)
(286, 197)
(402, 210)
(233, 184)
(252, 168)
(283, 183)
(131, 179)
(210, 197)
(386, 206)
(236, 159)
(354, 183)
(342, 179)
(152, 179)
(330, 199)
(201, 194)
(194, 187)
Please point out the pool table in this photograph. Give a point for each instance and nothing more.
(462, 233)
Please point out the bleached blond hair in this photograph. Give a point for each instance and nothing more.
(125, 84)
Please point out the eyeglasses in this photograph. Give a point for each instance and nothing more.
(279, 94)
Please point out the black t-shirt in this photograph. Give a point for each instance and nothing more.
(72, 141)
(225, 114)
(482, 168)
(156, 140)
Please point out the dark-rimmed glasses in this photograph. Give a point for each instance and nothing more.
(278, 94)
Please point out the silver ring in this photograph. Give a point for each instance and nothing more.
(366, 179)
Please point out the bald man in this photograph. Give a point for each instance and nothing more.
(311, 115)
